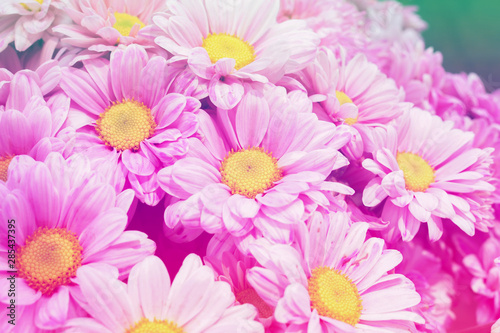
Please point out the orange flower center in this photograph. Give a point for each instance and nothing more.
(125, 125)
(334, 295)
(49, 259)
(4, 166)
(250, 296)
(250, 171)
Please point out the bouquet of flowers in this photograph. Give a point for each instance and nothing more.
(188, 166)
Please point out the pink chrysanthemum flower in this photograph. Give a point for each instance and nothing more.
(25, 22)
(193, 302)
(335, 281)
(250, 46)
(102, 26)
(355, 93)
(65, 218)
(428, 171)
(31, 120)
(124, 114)
(259, 168)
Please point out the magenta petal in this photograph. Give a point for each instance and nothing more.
(23, 86)
(18, 138)
(168, 109)
(105, 228)
(225, 92)
(42, 193)
(137, 163)
(52, 311)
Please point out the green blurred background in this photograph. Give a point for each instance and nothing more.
(467, 33)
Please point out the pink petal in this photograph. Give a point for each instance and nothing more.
(225, 92)
(252, 119)
(148, 286)
(137, 163)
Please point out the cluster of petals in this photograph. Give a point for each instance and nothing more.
(330, 242)
(193, 302)
(25, 22)
(275, 49)
(438, 187)
(97, 27)
(131, 77)
(33, 112)
(214, 166)
(306, 152)
(59, 194)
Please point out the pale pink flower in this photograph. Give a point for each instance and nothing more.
(32, 114)
(259, 169)
(61, 211)
(355, 93)
(127, 119)
(226, 52)
(101, 26)
(428, 171)
(193, 302)
(334, 280)
(26, 21)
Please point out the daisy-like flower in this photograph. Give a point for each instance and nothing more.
(355, 93)
(103, 26)
(125, 116)
(26, 21)
(192, 303)
(259, 168)
(31, 122)
(225, 52)
(428, 171)
(65, 218)
(334, 280)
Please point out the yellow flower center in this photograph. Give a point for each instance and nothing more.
(334, 295)
(155, 326)
(343, 98)
(4, 166)
(222, 45)
(125, 125)
(125, 22)
(27, 7)
(419, 175)
(49, 259)
(250, 171)
(250, 296)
